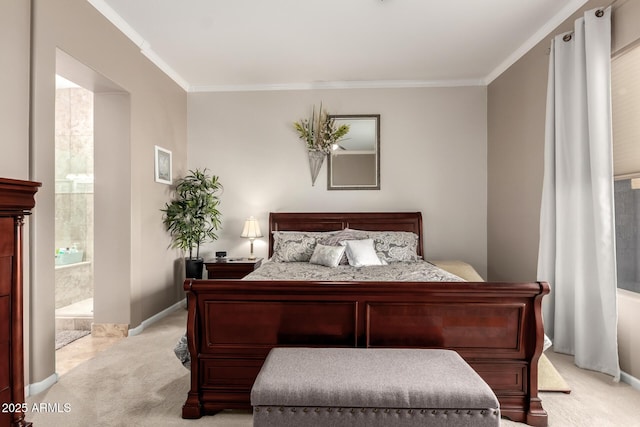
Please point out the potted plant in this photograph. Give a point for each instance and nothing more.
(192, 217)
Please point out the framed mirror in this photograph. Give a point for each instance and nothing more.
(354, 163)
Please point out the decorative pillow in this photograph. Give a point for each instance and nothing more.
(294, 246)
(395, 246)
(328, 256)
(336, 238)
(361, 253)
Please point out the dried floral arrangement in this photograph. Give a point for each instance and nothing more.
(319, 132)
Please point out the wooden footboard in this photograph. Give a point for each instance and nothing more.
(232, 324)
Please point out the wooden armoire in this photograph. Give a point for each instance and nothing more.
(16, 201)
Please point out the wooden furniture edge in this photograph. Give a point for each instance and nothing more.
(17, 198)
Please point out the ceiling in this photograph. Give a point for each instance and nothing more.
(224, 45)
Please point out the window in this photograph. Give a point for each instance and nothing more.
(625, 94)
(627, 197)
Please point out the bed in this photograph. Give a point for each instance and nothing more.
(232, 324)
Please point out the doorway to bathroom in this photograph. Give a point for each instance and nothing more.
(74, 201)
(93, 210)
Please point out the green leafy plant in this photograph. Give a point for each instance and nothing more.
(319, 132)
(192, 217)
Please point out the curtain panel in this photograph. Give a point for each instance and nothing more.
(577, 224)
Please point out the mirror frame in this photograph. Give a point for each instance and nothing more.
(376, 185)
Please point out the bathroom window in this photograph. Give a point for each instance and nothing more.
(627, 197)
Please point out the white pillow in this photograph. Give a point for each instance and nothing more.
(361, 252)
(328, 256)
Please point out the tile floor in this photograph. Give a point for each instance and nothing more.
(81, 350)
(78, 316)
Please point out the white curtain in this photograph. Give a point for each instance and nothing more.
(577, 234)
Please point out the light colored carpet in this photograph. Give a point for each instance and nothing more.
(139, 382)
(65, 337)
(549, 379)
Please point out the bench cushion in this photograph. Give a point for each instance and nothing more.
(396, 380)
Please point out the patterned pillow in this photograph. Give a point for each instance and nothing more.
(395, 246)
(328, 256)
(335, 239)
(294, 246)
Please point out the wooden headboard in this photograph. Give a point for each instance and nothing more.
(333, 221)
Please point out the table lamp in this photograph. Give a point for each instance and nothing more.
(251, 231)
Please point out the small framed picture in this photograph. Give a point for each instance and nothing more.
(163, 165)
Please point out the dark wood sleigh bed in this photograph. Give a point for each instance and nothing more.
(232, 324)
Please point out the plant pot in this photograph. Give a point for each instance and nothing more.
(193, 268)
(316, 158)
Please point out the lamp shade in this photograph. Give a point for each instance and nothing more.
(251, 229)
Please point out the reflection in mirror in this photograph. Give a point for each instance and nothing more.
(354, 163)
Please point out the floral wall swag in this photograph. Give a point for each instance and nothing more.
(319, 132)
(321, 136)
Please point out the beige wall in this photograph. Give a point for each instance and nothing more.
(432, 148)
(135, 266)
(14, 103)
(516, 115)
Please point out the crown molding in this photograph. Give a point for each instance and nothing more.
(145, 48)
(538, 36)
(369, 84)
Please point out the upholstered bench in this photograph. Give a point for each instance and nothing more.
(370, 387)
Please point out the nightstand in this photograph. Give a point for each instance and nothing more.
(232, 268)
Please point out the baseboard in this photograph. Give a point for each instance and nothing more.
(35, 388)
(153, 319)
(629, 379)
